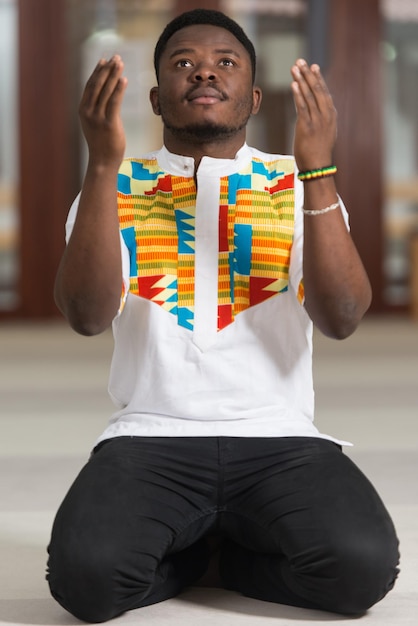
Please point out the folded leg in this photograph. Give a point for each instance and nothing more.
(129, 531)
(305, 528)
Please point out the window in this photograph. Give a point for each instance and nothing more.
(9, 167)
(400, 98)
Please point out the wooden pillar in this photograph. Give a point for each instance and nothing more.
(45, 168)
(354, 78)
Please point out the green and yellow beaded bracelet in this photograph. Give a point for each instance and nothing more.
(319, 173)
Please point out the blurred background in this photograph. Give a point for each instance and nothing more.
(368, 51)
(53, 400)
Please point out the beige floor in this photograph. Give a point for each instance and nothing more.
(53, 404)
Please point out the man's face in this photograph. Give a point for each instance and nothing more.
(205, 87)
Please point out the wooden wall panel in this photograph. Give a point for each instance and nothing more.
(45, 168)
(354, 77)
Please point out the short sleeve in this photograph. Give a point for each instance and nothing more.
(69, 225)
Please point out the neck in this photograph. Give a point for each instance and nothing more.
(221, 148)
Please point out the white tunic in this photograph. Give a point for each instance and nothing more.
(236, 359)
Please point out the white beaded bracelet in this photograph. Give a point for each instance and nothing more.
(331, 207)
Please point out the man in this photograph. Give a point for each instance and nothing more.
(212, 260)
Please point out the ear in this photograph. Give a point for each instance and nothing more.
(155, 101)
(257, 97)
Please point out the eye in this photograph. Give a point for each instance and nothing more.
(184, 63)
(227, 62)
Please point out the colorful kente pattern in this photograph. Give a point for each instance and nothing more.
(256, 225)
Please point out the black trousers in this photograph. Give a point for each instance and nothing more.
(299, 523)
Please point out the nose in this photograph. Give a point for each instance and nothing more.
(204, 72)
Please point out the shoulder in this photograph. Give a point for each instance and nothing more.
(146, 162)
(133, 171)
(279, 164)
(269, 157)
(274, 166)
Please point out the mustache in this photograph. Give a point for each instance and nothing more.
(190, 92)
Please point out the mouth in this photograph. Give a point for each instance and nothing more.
(205, 95)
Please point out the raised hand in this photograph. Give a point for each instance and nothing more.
(316, 125)
(99, 112)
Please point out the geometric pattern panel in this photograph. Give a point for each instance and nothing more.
(256, 226)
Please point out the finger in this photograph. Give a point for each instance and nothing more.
(303, 77)
(114, 102)
(302, 92)
(111, 84)
(95, 83)
(299, 99)
(101, 85)
(313, 87)
(320, 88)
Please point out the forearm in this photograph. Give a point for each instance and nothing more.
(337, 289)
(89, 280)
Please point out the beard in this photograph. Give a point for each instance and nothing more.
(203, 132)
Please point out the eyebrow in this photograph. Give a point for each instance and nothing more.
(192, 50)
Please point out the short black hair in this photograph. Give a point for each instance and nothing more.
(203, 16)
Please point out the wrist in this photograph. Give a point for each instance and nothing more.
(103, 168)
(317, 173)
